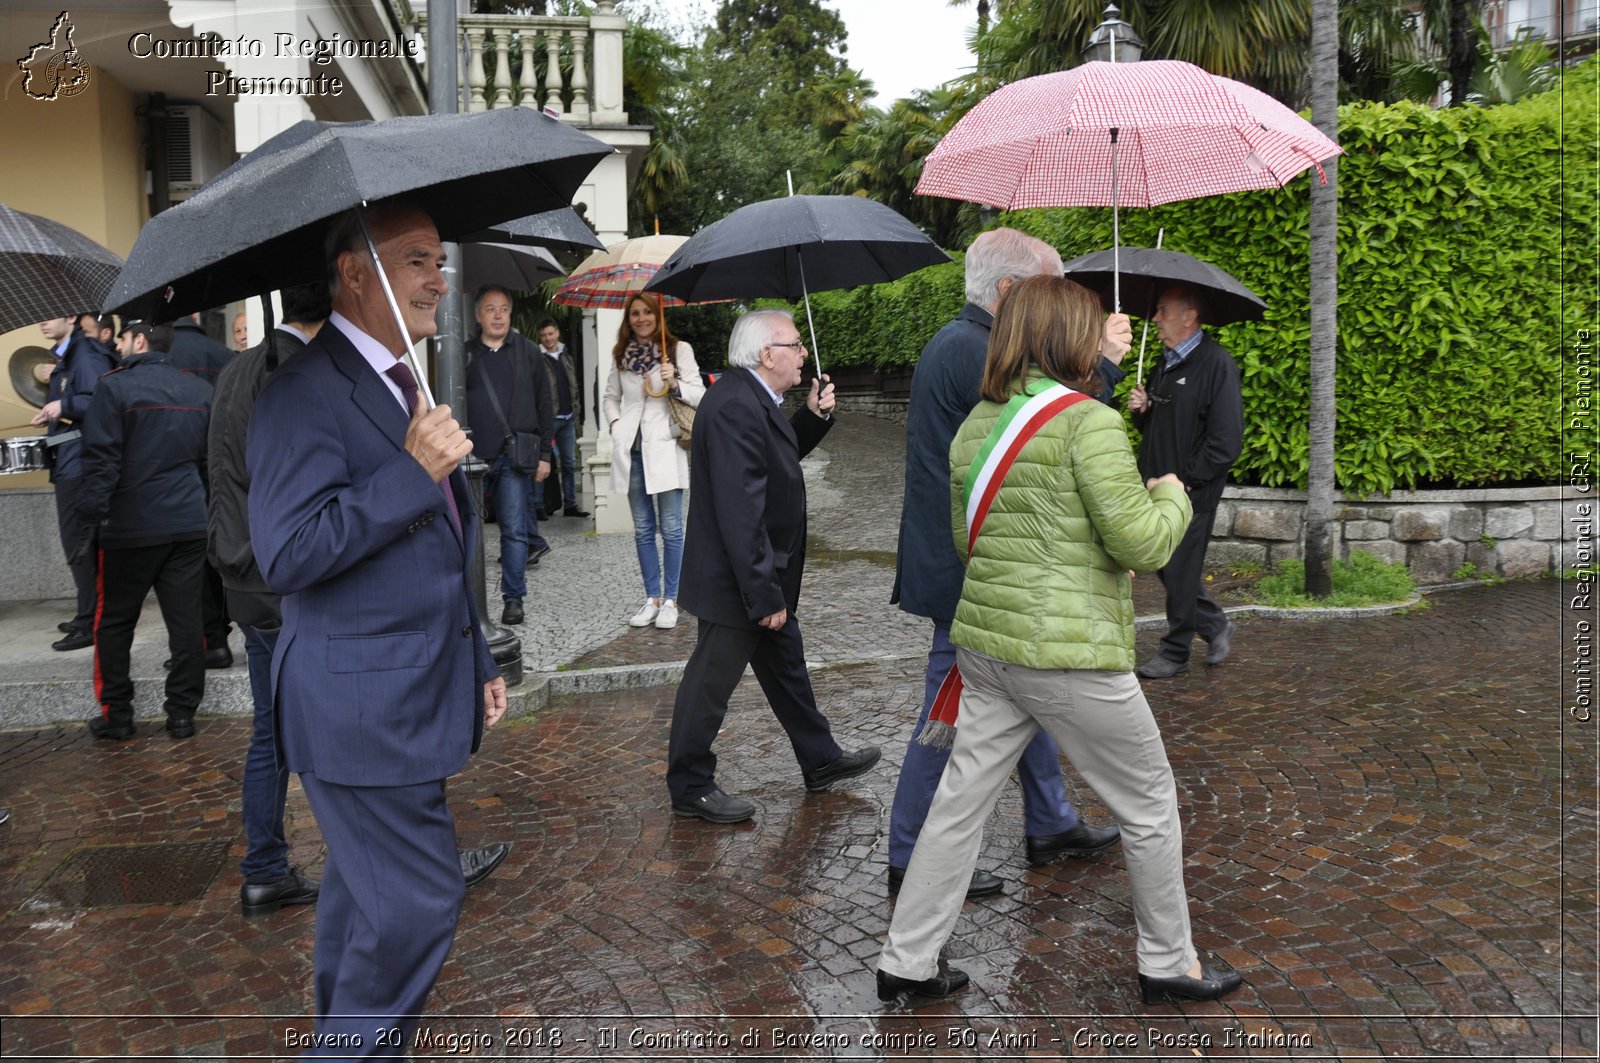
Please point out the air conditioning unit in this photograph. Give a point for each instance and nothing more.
(197, 149)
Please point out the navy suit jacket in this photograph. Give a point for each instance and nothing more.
(379, 670)
(745, 547)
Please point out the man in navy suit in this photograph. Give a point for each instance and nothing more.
(360, 518)
(743, 557)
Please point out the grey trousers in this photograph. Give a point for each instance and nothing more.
(1103, 724)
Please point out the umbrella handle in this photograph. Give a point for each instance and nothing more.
(394, 308)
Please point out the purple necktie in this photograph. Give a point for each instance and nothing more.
(401, 374)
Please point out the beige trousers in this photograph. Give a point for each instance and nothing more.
(1103, 724)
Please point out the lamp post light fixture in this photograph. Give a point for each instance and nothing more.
(1113, 41)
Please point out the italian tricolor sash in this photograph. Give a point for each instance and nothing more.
(1019, 422)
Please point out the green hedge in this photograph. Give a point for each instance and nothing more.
(1466, 253)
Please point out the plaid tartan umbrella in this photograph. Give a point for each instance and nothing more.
(48, 270)
(608, 278)
(1109, 134)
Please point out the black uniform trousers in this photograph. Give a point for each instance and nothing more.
(1190, 611)
(127, 575)
(73, 530)
(714, 670)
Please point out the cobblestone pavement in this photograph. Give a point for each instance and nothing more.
(1390, 831)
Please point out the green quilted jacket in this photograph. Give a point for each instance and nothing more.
(1047, 584)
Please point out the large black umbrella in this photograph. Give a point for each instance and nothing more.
(1146, 271)
(787, 248)
(48, 270)
(259, 224)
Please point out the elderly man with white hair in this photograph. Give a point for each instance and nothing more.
(743, 558)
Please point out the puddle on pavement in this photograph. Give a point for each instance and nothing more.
(823, 555)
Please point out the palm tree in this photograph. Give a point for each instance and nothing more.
(1324, 230)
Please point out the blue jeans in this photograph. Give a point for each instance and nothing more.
(651, 513)
(266, 780)
(567, 456)
(1045, 808)
(513, 497)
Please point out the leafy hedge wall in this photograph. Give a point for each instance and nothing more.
(1466, 255)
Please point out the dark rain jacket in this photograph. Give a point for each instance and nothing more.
(144, 453)
(196, 353)
(1198, 430)
(522, 386)
(72, 383)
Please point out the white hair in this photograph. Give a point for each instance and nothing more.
(752, 332)
(1006, 253)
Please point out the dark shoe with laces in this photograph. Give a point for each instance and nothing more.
(76, 639)
(575, 511)
(180, 727)
(512, 613)
(479, 864)
(264, 898)
(1221, 645)
(536, 553)
(983, 884)
(716, 807)
(1159, 667)
(943, 984)
(101, 727)
(1082, 840)
(1213, 982)
(844, 766)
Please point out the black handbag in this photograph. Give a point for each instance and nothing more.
(522, 448)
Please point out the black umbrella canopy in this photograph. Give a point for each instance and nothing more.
(1146, 271)
(48, 270)
(559, 230)
(259, 224)
(783, 248)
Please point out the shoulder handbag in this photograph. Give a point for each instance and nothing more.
(523, 448)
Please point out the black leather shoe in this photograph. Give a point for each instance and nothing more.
(1221, 646)
(1211, 984)
(983, 884)
(264, 898)
(101, 727)
(1082, 840)
(1159, 667)
(479, 864)
(66, 627)
(541, 515)
(180, 727)
(575, 511)
(716, 806)
(221, 657)
(844, 766)
(73, 640)
(943, 984)
(535, 555)
(512, 613)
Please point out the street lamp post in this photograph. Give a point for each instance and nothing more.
(1113, 41)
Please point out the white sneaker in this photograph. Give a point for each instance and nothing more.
(643, 617)
(667, 616)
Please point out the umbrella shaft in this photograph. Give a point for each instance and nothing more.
(394, 308)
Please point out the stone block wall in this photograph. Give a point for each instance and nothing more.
(1510, 532)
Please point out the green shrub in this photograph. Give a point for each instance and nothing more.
(1460, 233)
(1361, 579)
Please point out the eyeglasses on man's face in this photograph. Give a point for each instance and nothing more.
(796, 345)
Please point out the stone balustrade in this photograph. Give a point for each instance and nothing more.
(568, 66)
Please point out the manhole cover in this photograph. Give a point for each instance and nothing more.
(102, 876)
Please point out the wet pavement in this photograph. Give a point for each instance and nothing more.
(1389, 822)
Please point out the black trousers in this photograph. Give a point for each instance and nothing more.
(126, 577)
(73, 531)
(714, 669)
(214, 603)
(1190, 611)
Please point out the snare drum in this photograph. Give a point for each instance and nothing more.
(24, 454)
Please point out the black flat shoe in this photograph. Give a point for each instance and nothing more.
(983, 884)
(479, 864)
(264, 898)
(844, 766)
(943, 984)
(101, 727)
(1082, 840)
(512, 613)
(73, 640)
(574, 511)
(714, 806)
(180, 727)
(1210, 985)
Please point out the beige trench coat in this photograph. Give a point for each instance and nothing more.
(632, 413)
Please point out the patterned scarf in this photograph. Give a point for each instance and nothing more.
(640, 357)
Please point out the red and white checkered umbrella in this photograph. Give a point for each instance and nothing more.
(609, 278)
(1176, 132)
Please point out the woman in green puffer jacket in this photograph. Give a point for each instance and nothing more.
(1044, 637)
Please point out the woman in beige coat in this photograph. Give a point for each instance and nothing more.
(646, 364)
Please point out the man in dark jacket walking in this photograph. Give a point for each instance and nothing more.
(144, 452)
(1191, 415)
(508, 391)
(81, 361)
(929, 573)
